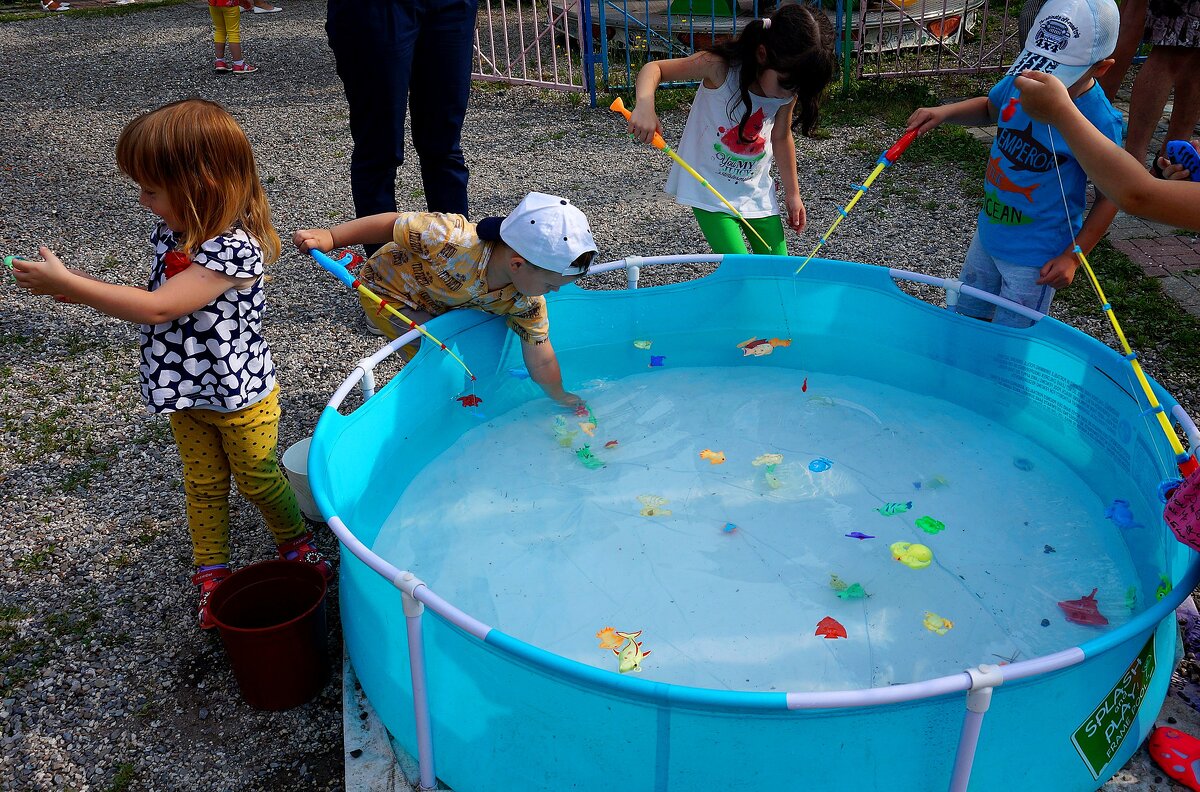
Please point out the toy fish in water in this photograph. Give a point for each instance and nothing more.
(894, 508)
(713, 457)
(1120, 513)
(930, 525)
(469, 401)
(610, 638)
(588, 428)
(762, 346)
(933, 483)
(858, 535)
(836, 583)
(819, 465)
(564, 436)
(852, 592)
(1164, 587)
(830, 628)
(936, 624)
(804, 386)
(652, 506)
(913, 556)
(657, 360)
(729, 528)
(1084, 611)
(589, 460)
(611, 444)
(582, 411)
(630, 656)
(518, 373)
(641, 344)
(767, 459)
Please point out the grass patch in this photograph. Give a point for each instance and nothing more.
(1150, 319)
(122, 778)
(36, 560)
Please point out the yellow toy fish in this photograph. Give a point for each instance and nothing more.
(564, 436)
(836, 583)
(610, 638)
(767, 459)
(937, 624)
(713, 457)
(629, 657)
(588, 428)
(652, 506)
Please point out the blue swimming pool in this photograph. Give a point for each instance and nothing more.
(467, 681)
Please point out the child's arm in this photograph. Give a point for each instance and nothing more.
(970, 112)
(783, 146)
(542, 364)
(369, 230)
(1059, 271)
(181, 295)
(700, 66)
(1113, 170)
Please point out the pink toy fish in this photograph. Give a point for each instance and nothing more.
(1084, 611)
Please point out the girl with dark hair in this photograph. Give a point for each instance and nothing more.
(753, 89)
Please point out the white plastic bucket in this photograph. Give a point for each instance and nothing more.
(295, 464)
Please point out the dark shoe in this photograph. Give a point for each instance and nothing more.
(208, 580)
(301, 549)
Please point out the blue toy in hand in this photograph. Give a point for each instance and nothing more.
(1181, 152)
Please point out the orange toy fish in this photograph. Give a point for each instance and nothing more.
(830, 628)
(610, 638)
(996, 177)
(713, 457)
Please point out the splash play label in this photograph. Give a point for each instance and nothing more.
(1100, 736)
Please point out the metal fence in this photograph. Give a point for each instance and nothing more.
(583, 45)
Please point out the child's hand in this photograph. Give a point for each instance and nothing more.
(1174, 171)
(1059, 271)
(1043, 97)
(924, 119)
(643, 122)
(42, 277)
(797, 217)
(307, 239)
(570, 400)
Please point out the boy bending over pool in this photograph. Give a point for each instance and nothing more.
(434, 262)
(1035, 190)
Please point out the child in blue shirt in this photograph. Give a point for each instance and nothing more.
(1035, 191)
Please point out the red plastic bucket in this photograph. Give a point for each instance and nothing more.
(272, 621)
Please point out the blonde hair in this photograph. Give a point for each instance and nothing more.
(195, 152)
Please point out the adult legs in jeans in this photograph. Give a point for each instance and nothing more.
(390, 53)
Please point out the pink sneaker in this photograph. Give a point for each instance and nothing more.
(243, 68)
(301, 549)
(220, 65)
(208, 580)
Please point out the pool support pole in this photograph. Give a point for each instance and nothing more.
(979, 698)
(413, 609)
(618, 106)
(886, 160)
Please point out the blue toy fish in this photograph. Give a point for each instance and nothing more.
(1120, 513)
(820, 465)
(859, 535)
(894, 508)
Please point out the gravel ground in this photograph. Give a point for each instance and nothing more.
(105, 682)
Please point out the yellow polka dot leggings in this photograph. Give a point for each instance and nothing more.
(214, 444)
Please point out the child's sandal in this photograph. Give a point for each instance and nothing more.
(208, 580)
(301, 549)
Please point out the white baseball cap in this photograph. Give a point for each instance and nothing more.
(545, 230)
(1068, 37)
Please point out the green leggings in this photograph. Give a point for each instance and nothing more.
(724, 233)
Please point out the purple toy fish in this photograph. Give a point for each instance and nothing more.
(859, 535)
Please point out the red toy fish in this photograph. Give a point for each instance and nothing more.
(1010, 109)
(804, 386)
(1084, 611)
(176, 262)
(469, 401)
(829, 628)
(611, 444)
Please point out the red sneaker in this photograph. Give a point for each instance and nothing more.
(1178, 754)
(301, 549)
(220, 65)
(208, 580)
(243, 68)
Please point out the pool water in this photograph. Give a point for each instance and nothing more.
(729, 587)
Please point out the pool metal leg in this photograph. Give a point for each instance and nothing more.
(979, 698)
(416, 661)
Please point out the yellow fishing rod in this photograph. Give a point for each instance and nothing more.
(338, 269)
(618, 106)
(885, 161)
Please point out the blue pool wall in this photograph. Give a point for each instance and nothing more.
(500, 722)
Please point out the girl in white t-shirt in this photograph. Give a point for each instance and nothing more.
(753, 89)
(204, 361)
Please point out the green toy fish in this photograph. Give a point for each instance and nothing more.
(894, 508)
(630, 656)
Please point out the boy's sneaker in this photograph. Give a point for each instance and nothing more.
(220, 65)
(301, 549)
(208, 580)
(243, 68)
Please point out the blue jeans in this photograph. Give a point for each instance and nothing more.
(1016, 282)
(397, 54)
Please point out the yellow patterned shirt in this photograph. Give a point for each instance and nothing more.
(436, 262)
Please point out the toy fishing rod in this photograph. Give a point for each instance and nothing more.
(339, 270)
(618, 106)
(886, 160)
